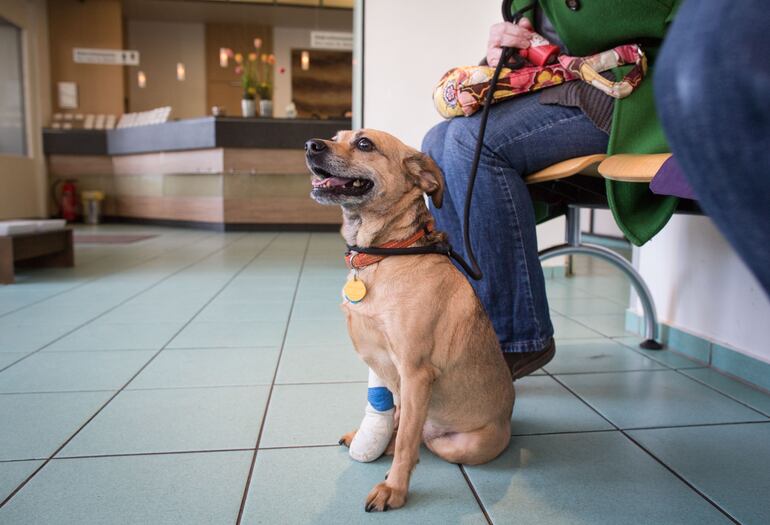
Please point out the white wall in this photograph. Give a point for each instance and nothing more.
(408, 46)
(161, 45)
(23, 183)
(701, 286)
(284, 40)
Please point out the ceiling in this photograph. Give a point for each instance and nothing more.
(220, 11)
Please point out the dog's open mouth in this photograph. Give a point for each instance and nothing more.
(327, 184)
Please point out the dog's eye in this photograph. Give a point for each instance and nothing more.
(365, 144)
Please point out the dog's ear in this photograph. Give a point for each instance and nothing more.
(426, 175)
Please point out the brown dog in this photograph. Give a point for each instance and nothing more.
(420, 326)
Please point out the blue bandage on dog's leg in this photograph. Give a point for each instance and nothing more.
(376, 429)
(380, 398)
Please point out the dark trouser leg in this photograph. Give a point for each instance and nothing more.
(522, 137)
(712, 82)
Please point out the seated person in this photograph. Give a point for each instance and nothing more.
(525, 134)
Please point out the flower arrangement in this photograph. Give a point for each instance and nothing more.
(256, 72)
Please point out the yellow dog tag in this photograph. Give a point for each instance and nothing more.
(354, 290)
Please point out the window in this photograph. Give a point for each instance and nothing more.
(13, 132)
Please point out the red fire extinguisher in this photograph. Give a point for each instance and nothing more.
(66, 198)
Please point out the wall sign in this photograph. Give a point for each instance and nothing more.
(331, 40)
(109, 57)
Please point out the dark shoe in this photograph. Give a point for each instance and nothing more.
(524, 363)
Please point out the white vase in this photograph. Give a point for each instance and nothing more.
(266, 108)
(248, 107)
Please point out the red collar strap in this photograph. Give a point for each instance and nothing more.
(356, 259)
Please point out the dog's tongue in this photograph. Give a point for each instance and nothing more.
(330, 182)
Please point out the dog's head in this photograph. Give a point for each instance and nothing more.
(369, 169)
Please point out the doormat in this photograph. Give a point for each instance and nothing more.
(110, 238)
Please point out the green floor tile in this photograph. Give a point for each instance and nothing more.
(281, 491)
(204, 334)
(608, 325)
(189, 489)
(13, 474)
(665, 356)
(209, 367)
(656, 398)
(182, 419)
(35, 425)
(742, 392)
(123, 336)
(582, 306)
(597, 355)
(321, 364)
(272, 311)
(729, 464)
(314, 333)
(72, 371)
(584, 478)
(544, 406)
(327, 310)
(6, 358)
(565, 328)
(27, 338)
(302, 415)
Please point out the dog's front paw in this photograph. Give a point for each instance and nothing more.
(384, 496)
(347, 439)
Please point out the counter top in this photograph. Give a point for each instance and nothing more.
(188, 134)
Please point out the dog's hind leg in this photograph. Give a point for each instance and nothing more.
(475, 447)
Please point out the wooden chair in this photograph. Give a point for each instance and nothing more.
(622, 167)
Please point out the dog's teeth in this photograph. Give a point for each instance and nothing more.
(357, 183)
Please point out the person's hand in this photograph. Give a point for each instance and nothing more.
(506, 34)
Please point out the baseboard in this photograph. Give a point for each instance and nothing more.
(715, 355)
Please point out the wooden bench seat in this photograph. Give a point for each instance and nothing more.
(46, 248)
(626, 167)
(622, 167)
(586, 165)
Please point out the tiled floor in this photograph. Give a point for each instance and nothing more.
(137, 387)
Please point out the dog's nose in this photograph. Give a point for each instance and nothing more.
(314, 146)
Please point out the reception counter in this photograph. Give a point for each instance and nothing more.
(217, 172)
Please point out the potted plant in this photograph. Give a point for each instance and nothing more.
(265, 85)
(256, 74)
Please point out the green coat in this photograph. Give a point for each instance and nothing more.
(598, 25)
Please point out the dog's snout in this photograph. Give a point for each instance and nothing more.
(315, 146)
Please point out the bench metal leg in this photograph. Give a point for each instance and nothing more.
(574, 245)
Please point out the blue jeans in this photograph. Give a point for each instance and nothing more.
(522, 136)
(712, 81)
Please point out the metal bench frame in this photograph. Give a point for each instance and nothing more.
(628, 168)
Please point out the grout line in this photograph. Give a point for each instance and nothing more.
(292, 447)
(475, 494)
(124, 301)
(246, 486)
(177, 387)
(94, 279)
(650, 454)
(599, 372)
(728, 396)
(71, 437)
(163, 453)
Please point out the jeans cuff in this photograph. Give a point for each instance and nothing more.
(526, 346)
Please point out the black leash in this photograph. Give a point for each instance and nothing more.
(444, 248)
